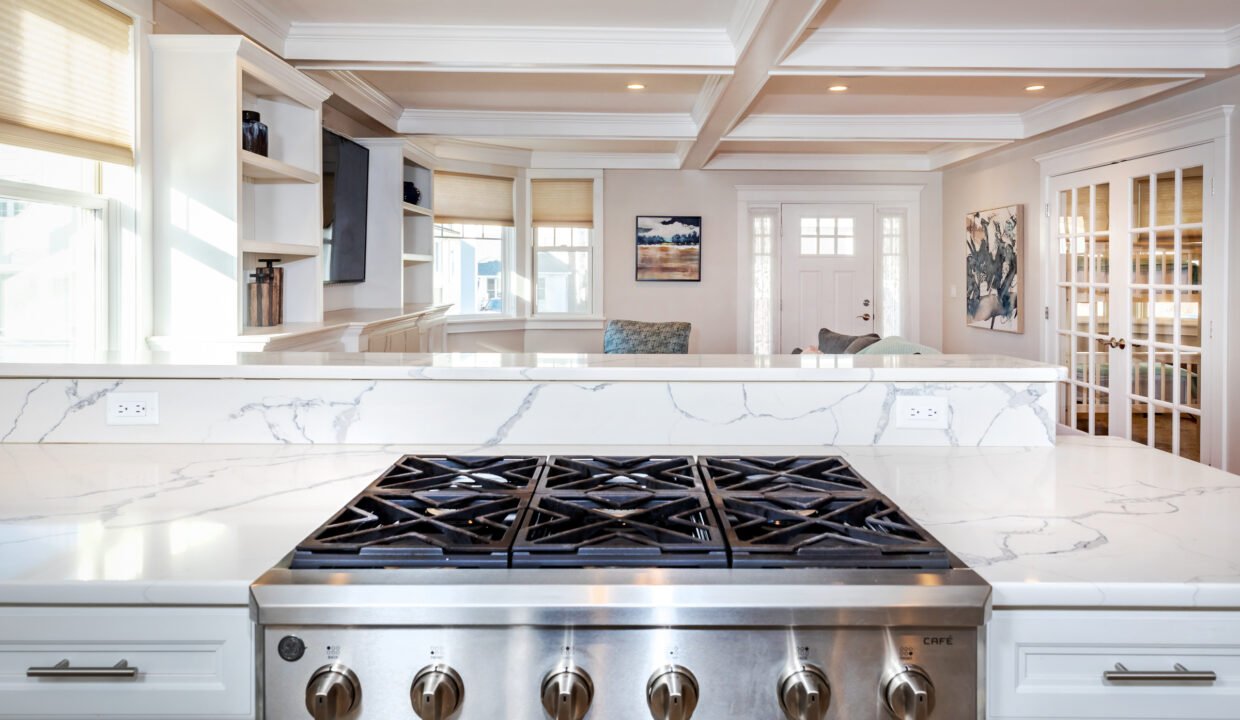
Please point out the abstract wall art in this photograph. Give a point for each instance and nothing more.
(669, 247)
(994, 244)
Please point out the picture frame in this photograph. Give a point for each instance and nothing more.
(994, 271)
(668, 248)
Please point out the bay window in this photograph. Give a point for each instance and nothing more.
(562, 212)
(473, 243)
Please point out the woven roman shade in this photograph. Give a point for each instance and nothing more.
(472, 199)
(563, 202)
(66, 78)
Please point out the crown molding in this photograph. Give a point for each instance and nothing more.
(879, 127)
(1193, 129)
(998, 48)
(1098, 98)
(508, 46)
(250, 17)
(446, 151)
(603, 161)
(893, 162)
(617, 126)
(952, 153)
(1233, 45)
(362, 95)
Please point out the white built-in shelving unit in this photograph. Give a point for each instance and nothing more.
(218, 208)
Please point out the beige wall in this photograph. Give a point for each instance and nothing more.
(712, 304)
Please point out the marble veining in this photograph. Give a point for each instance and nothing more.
(498, 413)
(1088, 523)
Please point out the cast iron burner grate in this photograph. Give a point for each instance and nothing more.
(434, 528)
(487, 474)
(763, 474)
(649, 474)
(619, 528)
(783, 528)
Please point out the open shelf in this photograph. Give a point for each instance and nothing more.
(259, 169)
(278, 249)
(411, 209)
(416, 258)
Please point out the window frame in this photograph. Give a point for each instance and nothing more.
(588, 249)
(595, 247)
(107, 296)
(508, 272)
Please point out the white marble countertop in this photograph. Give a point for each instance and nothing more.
(532, 366)
(1089, 523)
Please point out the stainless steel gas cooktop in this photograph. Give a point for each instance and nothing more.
(576, 587)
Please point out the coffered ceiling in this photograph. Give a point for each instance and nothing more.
(797, 84)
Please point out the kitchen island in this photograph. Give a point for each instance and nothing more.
(1099, 551)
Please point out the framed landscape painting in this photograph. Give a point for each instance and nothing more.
(994, 244)
(669, 247)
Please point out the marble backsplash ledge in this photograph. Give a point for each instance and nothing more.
(497, 413)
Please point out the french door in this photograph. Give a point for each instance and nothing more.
(1134, 249)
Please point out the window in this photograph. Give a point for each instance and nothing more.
(469, 267)
(891, 271)
(473, 241)
(762, 229)
(827, 236)
(563, 219)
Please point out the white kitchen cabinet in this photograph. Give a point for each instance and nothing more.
(1050, 664)
(192, 662)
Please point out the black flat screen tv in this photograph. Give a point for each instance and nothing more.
(346, 168)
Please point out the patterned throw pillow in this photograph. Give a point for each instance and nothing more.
(634, 337)
(833, 343)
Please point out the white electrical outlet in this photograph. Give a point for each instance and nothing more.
(135, 408)
(923, 412)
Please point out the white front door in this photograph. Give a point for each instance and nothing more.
(826, 272)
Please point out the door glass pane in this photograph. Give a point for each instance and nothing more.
(1190, 379)
(1102, 259)
(1140, 258)
(1064, 351)
(1162, 376)
(1066, 311)
(1140, 422)
(809, 246)
(1140, 314)
(1081, 311)
(1163, 302)
(1190, 257)
(1080, 246)
(1165, 205)
(1190, 436)
(1065, 259)
(1102, 311)
(1082, 409)
(1102, 407)
(1194, 191)
(1102, 207)
(1065, 212)
(1081, 223)
(1190, 318)
(1162, 429)
(1163, 270)
(1140, 370)
(1080, 370)
(1140, 202)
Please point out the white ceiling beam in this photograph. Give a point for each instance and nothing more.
(545, 69)
(252, 18)
(362, 95)
(775, 34)
(746, 15)
(1045, 73)
(895, 162)
(707, 97)
(611, 126)
(603, 160)
(996, 48)
(470, 45)
(879, 127)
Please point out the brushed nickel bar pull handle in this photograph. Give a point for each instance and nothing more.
(1180, 674)
(119, 671)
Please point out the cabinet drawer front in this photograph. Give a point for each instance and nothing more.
(1050, 664)
(191, 662)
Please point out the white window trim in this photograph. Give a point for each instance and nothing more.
(107, 295)
(755, 197)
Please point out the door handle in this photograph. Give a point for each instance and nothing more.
(120, 671)
(1120, 343)
(865, 317)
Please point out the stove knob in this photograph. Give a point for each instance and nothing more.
(910, 694)
(333, 692)
(672, 693)
(805, 694)
(567, 693)
(437, 692)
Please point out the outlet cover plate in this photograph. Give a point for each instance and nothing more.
(133, 408)
(921, 412)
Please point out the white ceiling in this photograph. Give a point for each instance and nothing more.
(741, 83)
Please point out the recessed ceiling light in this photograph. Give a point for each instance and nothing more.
(636, 86)
(1034, 88)
(838, 88)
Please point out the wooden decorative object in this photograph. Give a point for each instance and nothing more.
(267, 295)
